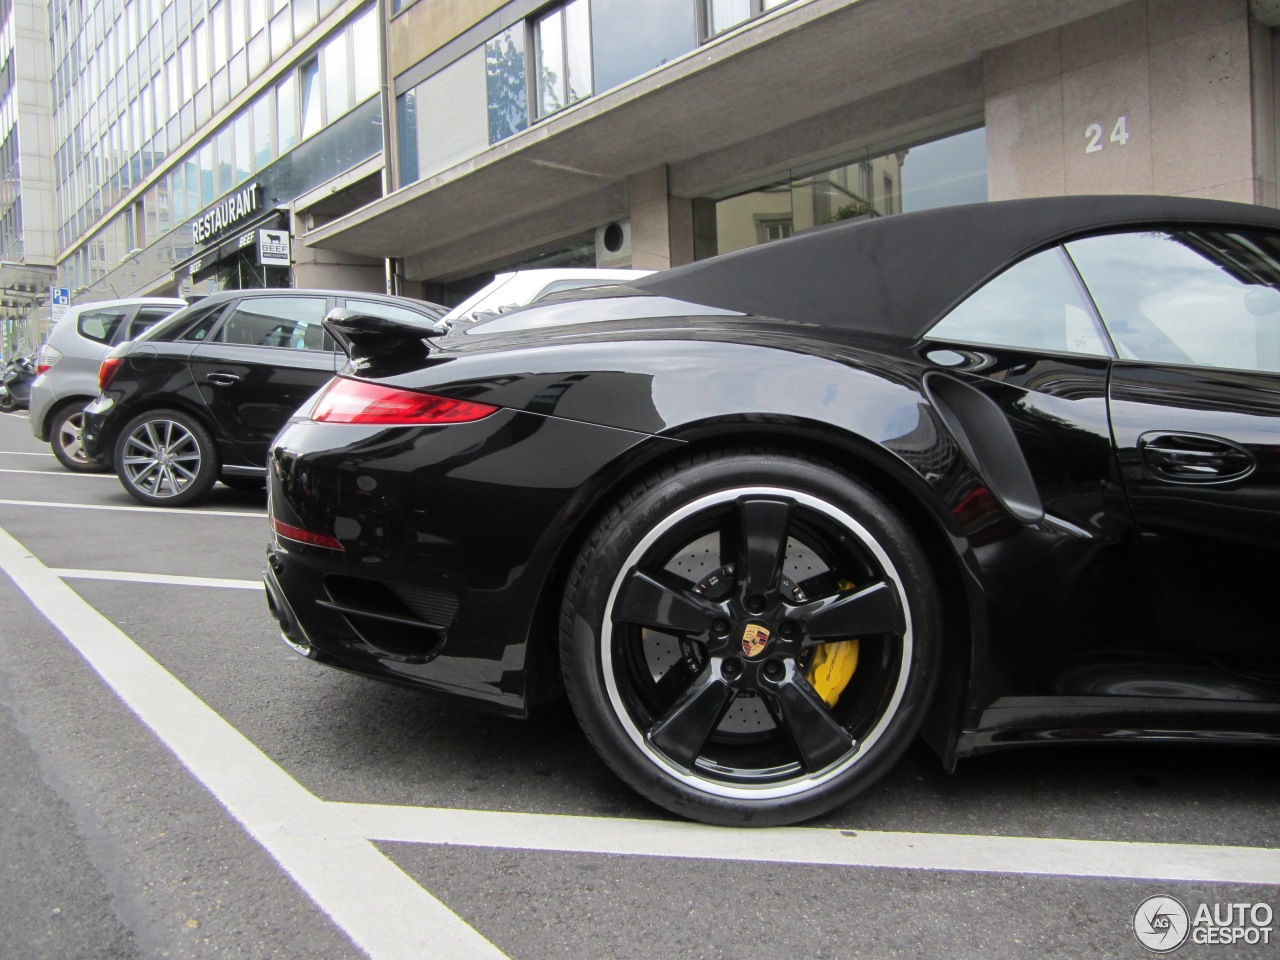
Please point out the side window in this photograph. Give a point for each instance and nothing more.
(1197, 297)
(196, 326)
(292, 322)
(101, 325)
(1036, 304)
(147, 318)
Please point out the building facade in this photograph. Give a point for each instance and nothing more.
(28, 244)
(654, 133)
(183, 146)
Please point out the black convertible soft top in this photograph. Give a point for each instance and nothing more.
(896, 275)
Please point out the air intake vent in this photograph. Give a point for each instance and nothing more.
(409, 627)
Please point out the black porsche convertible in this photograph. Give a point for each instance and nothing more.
(995, 475)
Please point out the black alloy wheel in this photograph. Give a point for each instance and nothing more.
(750, 638)
(166, 458)
(66, 438)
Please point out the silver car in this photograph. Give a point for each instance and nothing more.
(68, 368)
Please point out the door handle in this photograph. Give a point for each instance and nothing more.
(222, 379)
(1193, 458)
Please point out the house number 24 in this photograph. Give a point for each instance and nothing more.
(1093, 135)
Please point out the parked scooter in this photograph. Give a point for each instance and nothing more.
(15, 384)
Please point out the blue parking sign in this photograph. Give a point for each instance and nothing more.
(61, 296)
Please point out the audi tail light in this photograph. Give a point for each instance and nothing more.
(108, 370)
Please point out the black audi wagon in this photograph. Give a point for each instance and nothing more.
(198, 398)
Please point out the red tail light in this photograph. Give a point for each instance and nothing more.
(358, 401)
(290, 532)
(107, 372)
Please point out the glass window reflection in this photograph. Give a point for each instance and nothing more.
(723, 14)
(1204, 298)
(309, 80)
(505, 84)
(625, 45)
(914, 176)
(1034, 305)
(562, 55)
(337, 96)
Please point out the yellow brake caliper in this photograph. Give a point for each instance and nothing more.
(833, 664)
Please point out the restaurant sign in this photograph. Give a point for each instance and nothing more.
(244, 203)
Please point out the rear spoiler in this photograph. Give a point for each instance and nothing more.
(366, 336)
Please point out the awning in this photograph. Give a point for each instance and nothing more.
(24, 285)
(205, 259)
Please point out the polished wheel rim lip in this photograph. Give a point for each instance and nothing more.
(806, 782)
(71, 438)
(166, 459)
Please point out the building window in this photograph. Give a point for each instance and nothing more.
(724, 14)
(365, 40)
(915, 176)
(506, 84)
(309, 80)
(287, 113)
(625, 46)
(407, 131)
(337, 95)
(562, 57)
(772, 228)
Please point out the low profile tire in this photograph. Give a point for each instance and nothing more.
(166, 458)
(697, 618)
(67, 442)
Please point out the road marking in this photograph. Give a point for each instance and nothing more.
(807, 845)
(62, 473)
(186, 512)
(124, 576)
(23, 453)
(383, 910)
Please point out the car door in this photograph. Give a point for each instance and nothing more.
(267, 356)
(1195, 407)
(1019, 375)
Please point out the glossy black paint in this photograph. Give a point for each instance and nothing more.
(1055, 540)
(1201, 458)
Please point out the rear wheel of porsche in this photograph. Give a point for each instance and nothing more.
(166, 458)
(750, 638)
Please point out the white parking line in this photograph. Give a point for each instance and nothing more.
(381, 908)
(62, 473)
(95, 506)
(327, 847)
(124, 576)
(23, 453)
(806, 845)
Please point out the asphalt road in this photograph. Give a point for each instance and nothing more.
(178, 783)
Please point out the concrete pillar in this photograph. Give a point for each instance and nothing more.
(1153, 97)
(661, 225)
